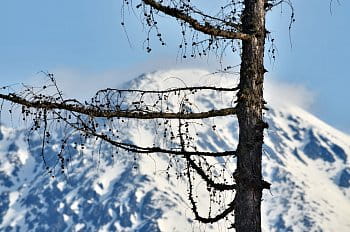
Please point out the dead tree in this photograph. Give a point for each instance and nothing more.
(239, 26)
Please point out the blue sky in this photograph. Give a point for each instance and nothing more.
(81, 41)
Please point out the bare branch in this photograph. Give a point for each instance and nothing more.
(138, 149)
(117, 113)
(191, 88)
(148, 150)
(206, 29)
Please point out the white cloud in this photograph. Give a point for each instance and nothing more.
(281, 93)
(82, 84)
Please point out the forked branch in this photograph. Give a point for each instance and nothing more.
(209, 219)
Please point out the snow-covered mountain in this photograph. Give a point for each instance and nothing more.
(306, 160)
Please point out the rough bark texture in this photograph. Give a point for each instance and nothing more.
(248, 175)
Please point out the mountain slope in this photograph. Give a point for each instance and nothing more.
(306, 161)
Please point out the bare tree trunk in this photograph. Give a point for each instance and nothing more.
(251, 126)
(249, 183)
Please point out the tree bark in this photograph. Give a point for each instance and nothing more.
(250, 104)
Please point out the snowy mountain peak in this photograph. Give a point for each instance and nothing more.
(306, 160)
